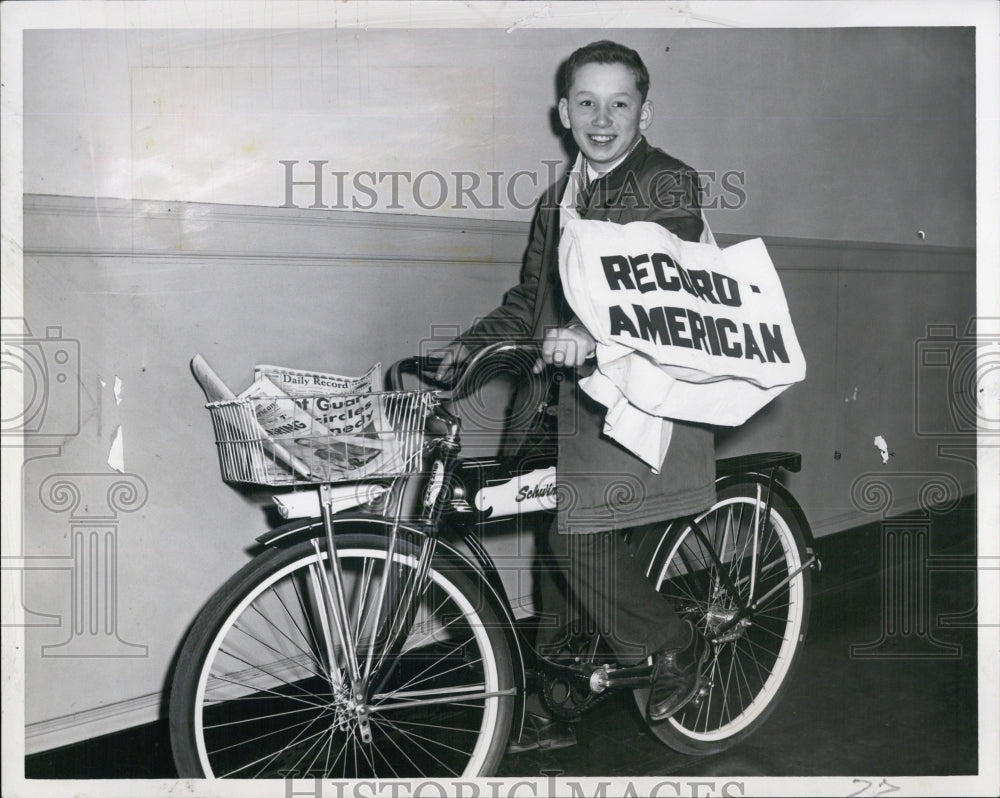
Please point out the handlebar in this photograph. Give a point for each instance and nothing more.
(425, 366)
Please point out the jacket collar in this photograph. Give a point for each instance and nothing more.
(608, 184)
(614, 179)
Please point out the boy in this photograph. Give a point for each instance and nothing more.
(618, 177)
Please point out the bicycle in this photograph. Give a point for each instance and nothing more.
(373, 637)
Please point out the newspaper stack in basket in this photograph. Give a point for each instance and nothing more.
(307, 425)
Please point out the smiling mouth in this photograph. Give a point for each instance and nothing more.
(601, 139)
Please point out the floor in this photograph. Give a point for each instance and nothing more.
(882, 688)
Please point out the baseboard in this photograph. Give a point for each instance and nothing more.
(79, 726)
(900, 506)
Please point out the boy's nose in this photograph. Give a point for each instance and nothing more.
(602, 118)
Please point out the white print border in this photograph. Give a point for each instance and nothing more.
(18, 17)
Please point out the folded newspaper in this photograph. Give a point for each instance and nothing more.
(317, 426)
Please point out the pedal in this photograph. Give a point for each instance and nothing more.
(703, 690)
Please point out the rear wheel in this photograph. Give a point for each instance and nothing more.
(707, 567)
(262, 687)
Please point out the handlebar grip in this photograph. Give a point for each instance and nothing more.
(421, 366)
(425, 366)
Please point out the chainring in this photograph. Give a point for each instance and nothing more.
(566, 697)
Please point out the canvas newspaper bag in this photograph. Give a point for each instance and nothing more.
(685, 331)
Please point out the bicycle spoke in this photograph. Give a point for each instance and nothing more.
(436, 674)
(258, 689)
(272, 732)
(415, 740)
(307, 616)
(439, 743)
(311, 651)
(257, 719)
(322, 749)
(459, 729)
(268, 758)
(315, 739)
(298, 661)
(763, 672)
(742, 680)
(402, 750)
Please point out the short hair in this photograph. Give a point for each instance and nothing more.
(604, 52)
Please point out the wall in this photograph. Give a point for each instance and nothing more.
(152, 232)
(845, 134)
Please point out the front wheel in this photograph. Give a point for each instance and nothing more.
(263, 687)
(708, 566)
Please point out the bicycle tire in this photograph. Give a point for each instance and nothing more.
(749, 668)
(253, 695)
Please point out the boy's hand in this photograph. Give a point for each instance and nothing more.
(452, 357)
(566, 346)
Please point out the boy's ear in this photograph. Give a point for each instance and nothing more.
(564, 112)
(646, 115)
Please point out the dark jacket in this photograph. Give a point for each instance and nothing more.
(603, 485)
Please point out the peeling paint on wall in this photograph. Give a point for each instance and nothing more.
(118, 390)
(116, 457)
(883, 448)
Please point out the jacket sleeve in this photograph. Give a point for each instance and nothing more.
(674, 203)
(513, 319)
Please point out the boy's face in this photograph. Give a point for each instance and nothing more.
(605, 112)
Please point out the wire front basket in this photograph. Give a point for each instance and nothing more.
(310, 439)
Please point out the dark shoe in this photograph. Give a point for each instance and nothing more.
(675, 678)
(542, 734)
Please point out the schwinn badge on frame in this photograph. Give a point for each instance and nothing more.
(529, 493)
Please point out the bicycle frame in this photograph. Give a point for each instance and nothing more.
(461, 495)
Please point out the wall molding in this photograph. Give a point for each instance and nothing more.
(901, 506)
(78, 726)
(154, 230)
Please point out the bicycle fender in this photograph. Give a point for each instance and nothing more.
(308, 528)
(760, 461)
(786, 497)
